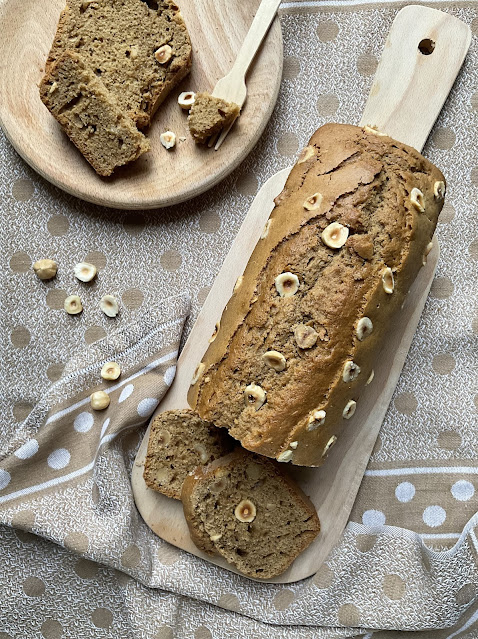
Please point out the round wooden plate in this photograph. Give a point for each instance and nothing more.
(159, 178)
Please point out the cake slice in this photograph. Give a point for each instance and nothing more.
(180, 441)
(139, 48)
(246, 509)
(209, 115)
(90, 116)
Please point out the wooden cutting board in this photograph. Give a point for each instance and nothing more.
(159, 178)
(406, 97)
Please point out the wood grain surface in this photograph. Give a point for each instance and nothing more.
(334, 486)
(159, 178)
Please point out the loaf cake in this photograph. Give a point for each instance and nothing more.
(179, 441)
(246, 509)
(139, 48)
(209, 115)
(300, 336)
(91, 119)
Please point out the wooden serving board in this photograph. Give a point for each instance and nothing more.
(332, 487)
(159, 178)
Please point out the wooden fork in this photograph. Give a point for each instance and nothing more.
(232, 87)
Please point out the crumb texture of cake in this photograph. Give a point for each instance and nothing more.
(179, 442)
(140, 49)
(307, 322)
(209, 115)
(244, 508)
(90, 117)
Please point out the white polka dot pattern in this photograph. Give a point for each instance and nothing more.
(83, 422)
(59, 458)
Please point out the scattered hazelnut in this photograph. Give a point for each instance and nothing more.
(99, 400)
(335, 235)
(316, 419)
(111, 370)
(85, 272)
(287, 284)
(370, 378)
(313, 202)
(72, 305)
(285, 457)
(245, 511)
(163, 54)
(204, 457)
(265, 232)
(293, 445)
(439, 190)
(305, 336)
(214, 335)
(275, 360)
(198, 372)
(134, 52)
(238, 283)
(349, 409)
(428, 248)
(417, 199)
(351, 371)
(254, 396)
(216, 537)
(364, 328)
(53, 88)
(109, 305)
(186, 99)
(163, 438)
(45, 269)
(168, 139)
(374, 131)
(329, 445)
(306, 154)
(387, 280)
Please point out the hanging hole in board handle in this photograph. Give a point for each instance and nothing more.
(426, 46)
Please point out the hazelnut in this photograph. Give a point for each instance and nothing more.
(351, 371)
(72, 305)
(134, 52)
(370, 378)
(316, 419)
(109, 305)
(214, 335)
(186, 99)
(417, 199)
(335, 235)
(275, 360)
(305, 336)
(313, 202)
(293, 445)
(285, 457)
(387, 280)
(163, 54)
(287, 284)
(306, 153)
(349, 409)
(439, 190)
(238, 283)
(203, 455)
(163, 438)
(215, 537)
(85, 272)
(53, 88)
(254, 396)
(245, 511)
(45, 269)
(329, 445)
(198, 372)
(265, 232)
(110, 370)
(373, 131)
(364, 328)
(99, 400)
(168, 139)
(428, 248)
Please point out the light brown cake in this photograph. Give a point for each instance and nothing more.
(302, 332)
(209, 115)
(179, 441)
(91, 119)
(246, 509)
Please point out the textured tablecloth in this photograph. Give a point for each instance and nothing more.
(408, 558)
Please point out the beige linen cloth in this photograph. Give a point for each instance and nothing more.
(407, 560)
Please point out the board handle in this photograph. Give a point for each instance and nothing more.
(423, 53)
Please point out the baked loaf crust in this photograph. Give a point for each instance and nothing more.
(209, 115)
(244, 508)
(118, 40)
(179, 442)
(92, 120)
(320, 297)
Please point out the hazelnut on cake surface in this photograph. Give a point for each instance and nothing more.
(209, 115)
(246, 509)
(321, 291)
